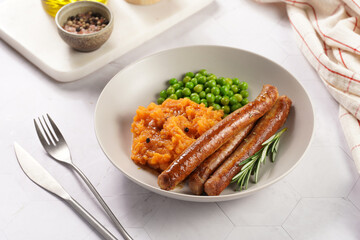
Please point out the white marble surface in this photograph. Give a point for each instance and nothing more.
(320, 199)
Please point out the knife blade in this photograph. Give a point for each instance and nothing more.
(41, 177)
(38, 174)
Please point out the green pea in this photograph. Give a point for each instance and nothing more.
(221, 81)
(202, 94)
(204, 102)
(195, 97)
(217, 99)
(203, 72)
(216, 106)
(225, 115)
(244, 93)
(170, 91)
(230, 93)
(198, 75)
(211, 77)
(233, 101)
(225, 100)
(207, 90)
(194, 94)
(235, 81)
(211, 83)
(187, 98)
(235, 107)
(163, 94)
(160, 100)
(190, 74)
(218, 86)
(238, 97)
(173, 81)
(173, 96)
(189, 85)
(186, 79)
(224, 90)
(194, 81)
(210, 98)
(226, 109)
(215, 90)
(201, 79)
(198, 88)
(244, 101)
(176, 86)
(228, 81)
(234, 88)
(178, 93)
(243, 85)
(181, 84)
(186, 92)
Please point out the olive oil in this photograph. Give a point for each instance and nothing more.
(53, 6)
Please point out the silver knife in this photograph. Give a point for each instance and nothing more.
(41, 177)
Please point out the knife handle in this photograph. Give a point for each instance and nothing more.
(90, 219)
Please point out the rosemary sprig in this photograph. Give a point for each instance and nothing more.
(252, 164)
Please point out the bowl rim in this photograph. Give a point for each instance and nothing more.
(79, 3)
(201, 198)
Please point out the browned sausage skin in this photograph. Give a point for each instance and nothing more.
(215, 137)
(199, 176)
(264, 128)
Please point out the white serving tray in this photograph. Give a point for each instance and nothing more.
(26, 27)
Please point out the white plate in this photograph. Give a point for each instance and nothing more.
(138, 84)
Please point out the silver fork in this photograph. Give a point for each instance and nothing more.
(55, 145)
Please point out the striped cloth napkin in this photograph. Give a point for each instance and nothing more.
(328, 34)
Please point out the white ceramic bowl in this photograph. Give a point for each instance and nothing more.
(138, 84)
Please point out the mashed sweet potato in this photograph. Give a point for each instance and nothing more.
(162, 132)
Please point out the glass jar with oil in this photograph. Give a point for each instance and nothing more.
(53, 6)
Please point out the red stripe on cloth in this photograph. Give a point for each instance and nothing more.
(330, 70)
(355, 3)
(325, 48)
(348, 86)
(359, 122)
(317, 23)
(355, 25)
(344, 114)
(337, 8)
(357, 110)
(342, 60)
(356, 146)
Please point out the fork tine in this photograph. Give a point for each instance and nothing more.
(43, 139)
(54, 137)
(49, 137)
(55, 128)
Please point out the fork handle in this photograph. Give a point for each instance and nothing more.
(118, 225)
(90, 219)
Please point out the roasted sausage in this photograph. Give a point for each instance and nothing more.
(199, 176)
(264, 128)
(215, 137)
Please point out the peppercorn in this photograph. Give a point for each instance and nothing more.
(186, 129)
(147, 140)
(84, 23)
